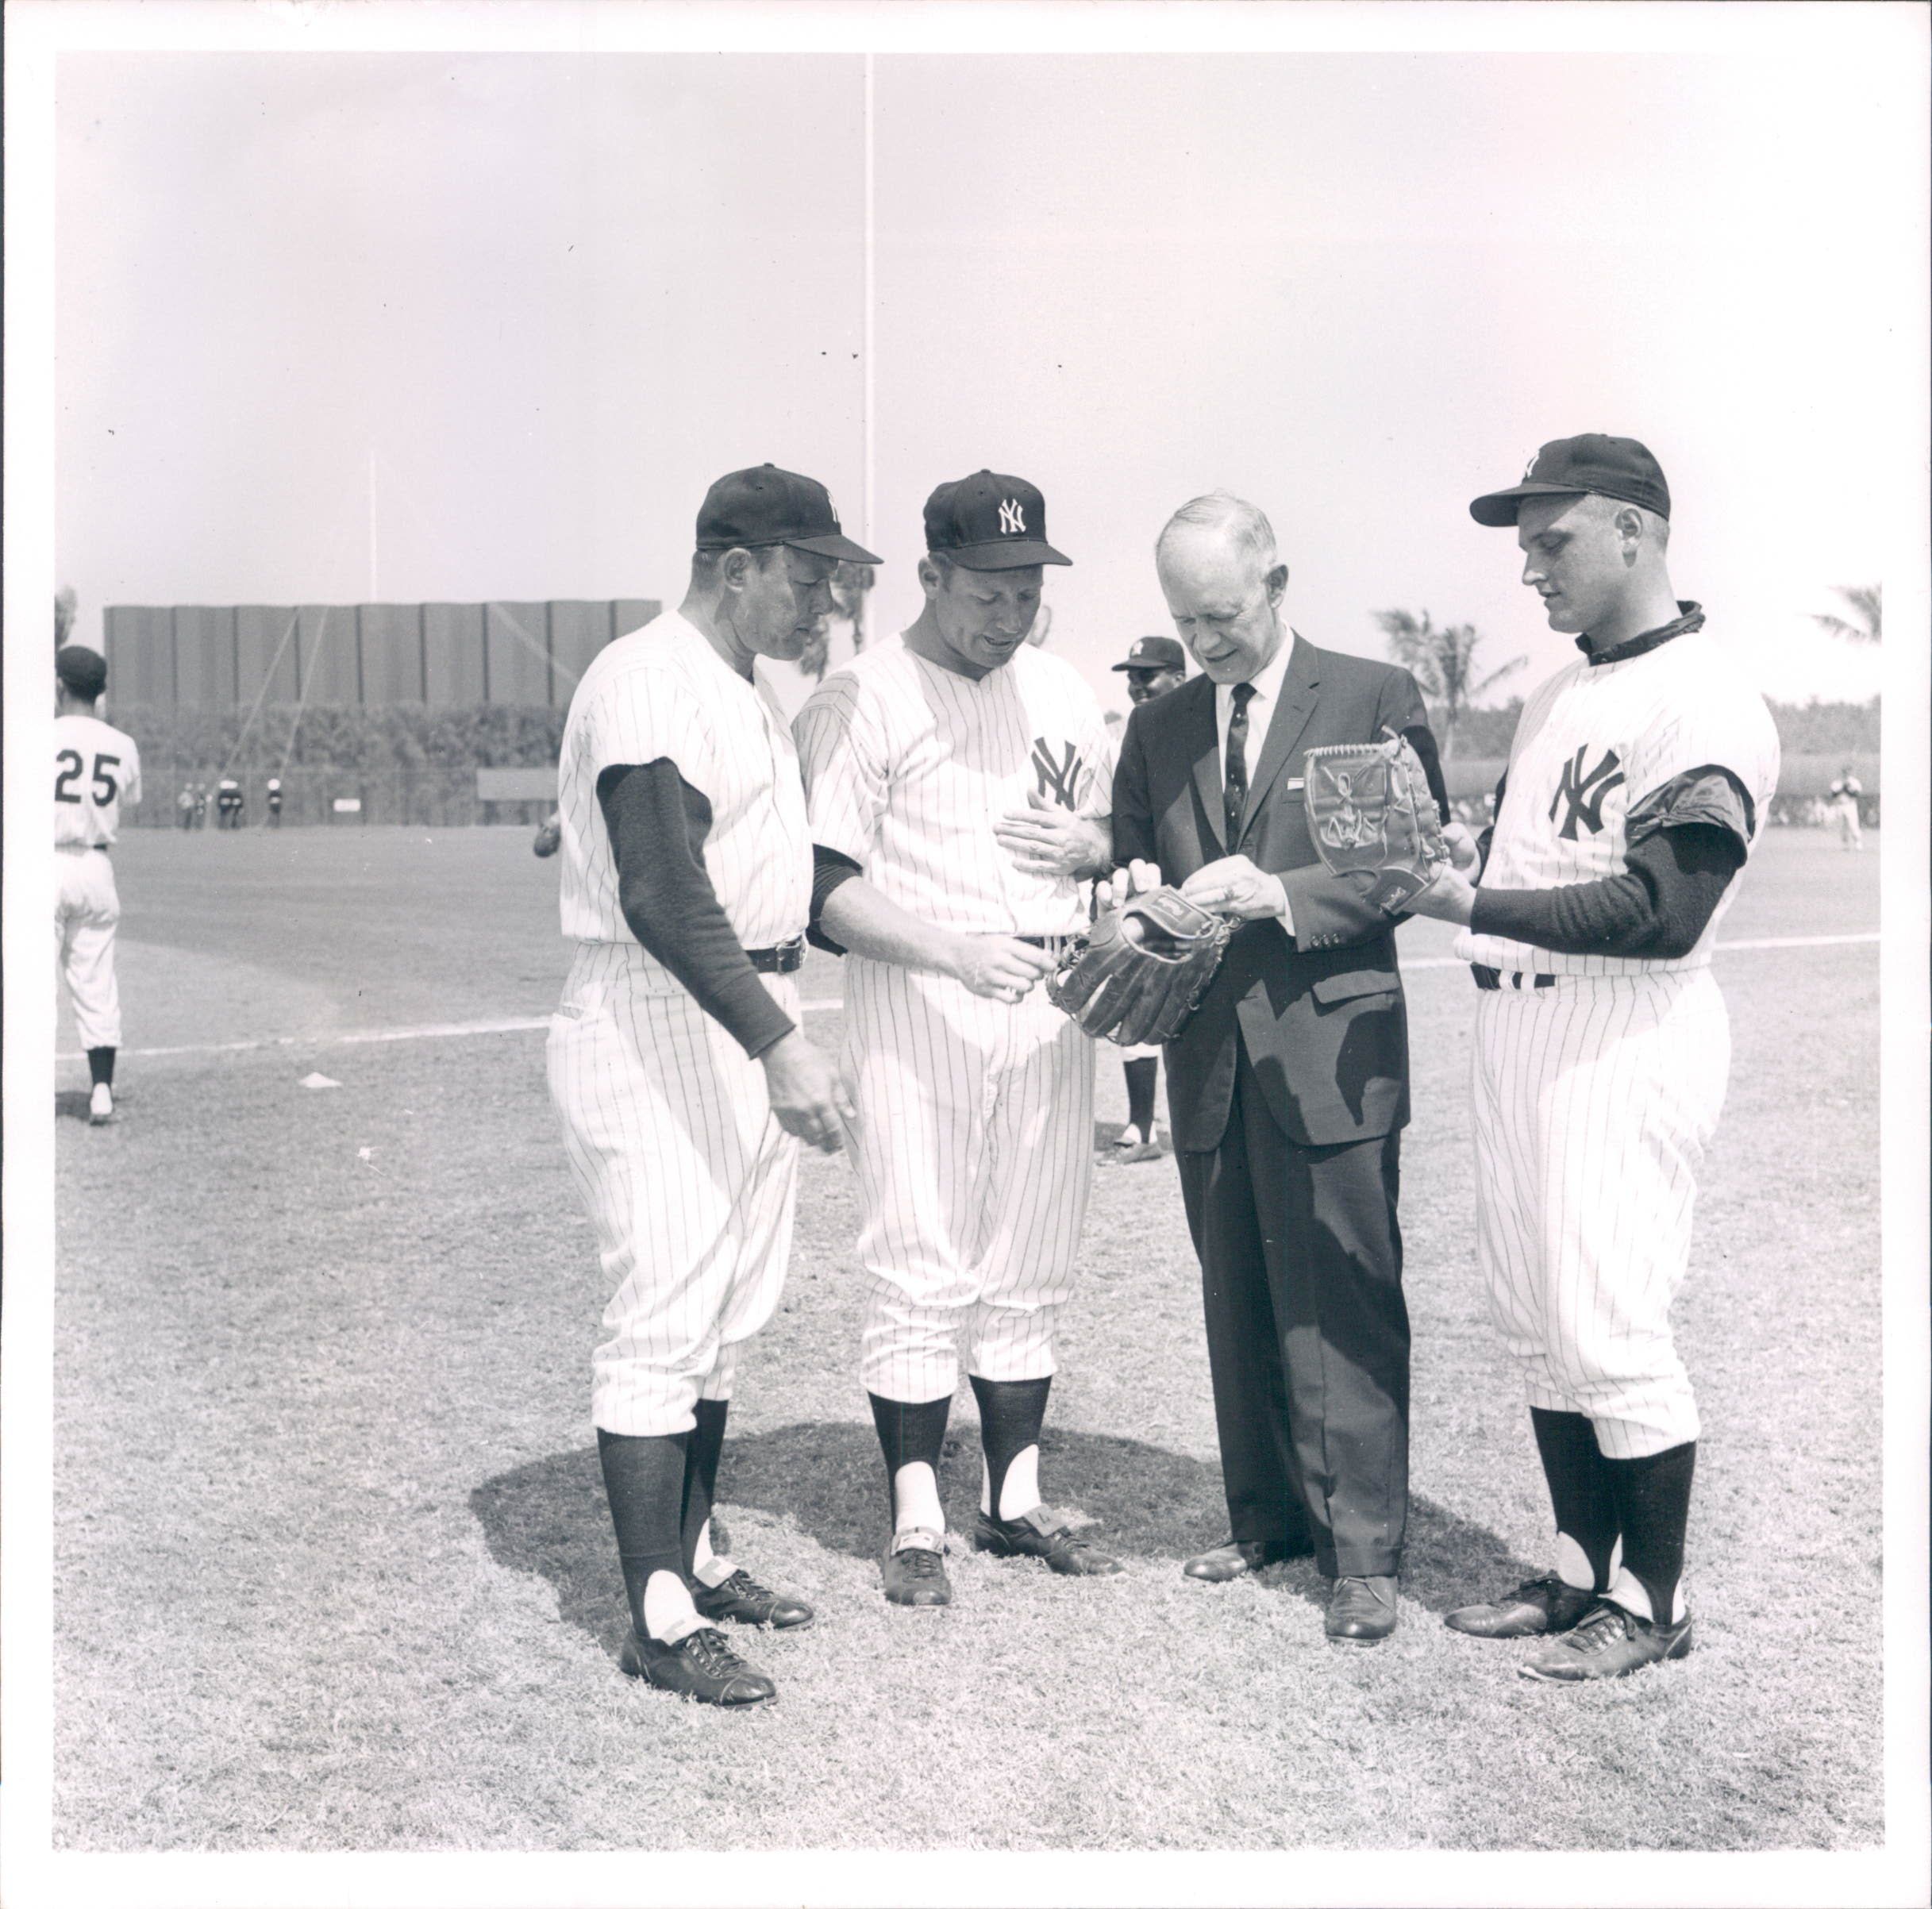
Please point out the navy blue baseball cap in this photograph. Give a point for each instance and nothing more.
(83, 671)
(1155, 652)
(989, 523)
(749, 509)
(1592, 464)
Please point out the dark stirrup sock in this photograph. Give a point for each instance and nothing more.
(644, 1478)
(1011, 1412)
(909, 1434)
(707, 1443)
(101, 1066)
(1579, 1488)
(1653, 1499)
(1142, 1077)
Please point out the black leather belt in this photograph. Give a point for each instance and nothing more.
(1491, 978)
(782, 959)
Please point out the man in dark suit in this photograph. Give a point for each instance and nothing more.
(1288, 1088)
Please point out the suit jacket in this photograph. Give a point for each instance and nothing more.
(1321, 1013)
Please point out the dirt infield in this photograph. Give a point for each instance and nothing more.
(333, 1569)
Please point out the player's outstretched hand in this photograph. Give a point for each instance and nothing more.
(1461, 846)
(1449, 898)
(1136, 878)
(1046, 839)
(1235, 886)
(807, 1097)
(1001, 967)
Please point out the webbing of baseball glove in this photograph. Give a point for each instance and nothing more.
(1140, 971)
(1371, 813)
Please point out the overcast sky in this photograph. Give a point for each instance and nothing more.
(547, 299)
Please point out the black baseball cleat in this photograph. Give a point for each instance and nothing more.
(744, 1600)
(1609, 1642)
(1046, 1535)
(914, 1569)
(1538, 1607)
(701, 1666)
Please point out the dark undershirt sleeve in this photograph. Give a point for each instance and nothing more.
(1421, 738)
(1656, 910)
(1488, 835)
(658, 823)
(830, 871)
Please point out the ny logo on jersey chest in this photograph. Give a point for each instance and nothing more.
(1583, 791)
(1056, 777)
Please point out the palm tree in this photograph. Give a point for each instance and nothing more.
(1867, 602)
(1443, 664)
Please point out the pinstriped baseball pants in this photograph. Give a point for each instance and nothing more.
(974, 1150)
(1594, 1101)
(689, 1181)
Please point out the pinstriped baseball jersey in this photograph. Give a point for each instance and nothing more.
(973, 1142)
(663, 691)
(910, 765)
(1594, 742)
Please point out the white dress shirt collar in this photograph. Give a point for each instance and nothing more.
(1261, 706)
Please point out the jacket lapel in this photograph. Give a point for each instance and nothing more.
(1298, 702)
(1202, 736)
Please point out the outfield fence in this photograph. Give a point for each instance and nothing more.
(315, 795)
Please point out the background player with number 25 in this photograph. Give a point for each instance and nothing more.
(97, 767)
(1638, 782)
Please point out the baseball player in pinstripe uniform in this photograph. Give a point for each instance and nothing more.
(959, 782)
(1638, 781)
(96, 768)
(676, 1060)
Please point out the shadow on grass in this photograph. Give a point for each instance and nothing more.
(71, 1103)
(548, 1518)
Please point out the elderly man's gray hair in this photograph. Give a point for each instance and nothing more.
(1245, 527)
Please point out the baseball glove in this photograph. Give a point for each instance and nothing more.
(548, 840)
(1138, 972)
(1370, 812)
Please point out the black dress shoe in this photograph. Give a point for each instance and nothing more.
(742, 1599)
(1539, 1607)
(1046, 1535)
(701, 1666)
(1239, 1557)
(1361, 1609)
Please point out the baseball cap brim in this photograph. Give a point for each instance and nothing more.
(833, 545)
(1005, 556)
(1498, 509)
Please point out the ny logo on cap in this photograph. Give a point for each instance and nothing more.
(1529, 470)
(1012, 518)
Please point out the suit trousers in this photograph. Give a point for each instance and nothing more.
(1307, 1335)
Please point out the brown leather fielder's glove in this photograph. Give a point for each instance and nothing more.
(1136, 974)
(1370, 812)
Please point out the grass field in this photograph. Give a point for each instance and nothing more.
(333, 1568)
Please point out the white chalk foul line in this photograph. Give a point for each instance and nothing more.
(525, 1024)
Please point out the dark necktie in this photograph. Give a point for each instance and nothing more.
(1235, 784)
